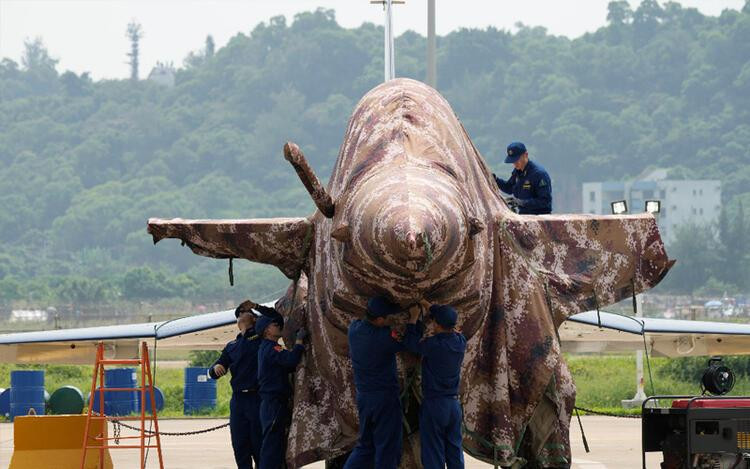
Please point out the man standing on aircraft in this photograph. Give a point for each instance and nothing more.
(240, 357)
(440, 413)
(274, 365)
(529, 184)
(372, 348)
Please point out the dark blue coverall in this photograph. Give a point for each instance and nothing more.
(373, 352)
(240, 357)
(532, 187)
(274, 366)
(440, 413)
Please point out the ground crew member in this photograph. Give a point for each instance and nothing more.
(440, 413)
(274, 365)
(529, 183)
(372, 348)
(240, 357)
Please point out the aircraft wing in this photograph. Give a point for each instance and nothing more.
(209, 331)
(588, 332)
(603, 332)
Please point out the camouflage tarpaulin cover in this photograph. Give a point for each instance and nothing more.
(417, 214)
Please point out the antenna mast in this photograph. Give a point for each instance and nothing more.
(431, 62)
(389, 58)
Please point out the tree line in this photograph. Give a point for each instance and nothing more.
(84, 163)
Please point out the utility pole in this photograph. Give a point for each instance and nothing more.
(389, 58)
(431, 60)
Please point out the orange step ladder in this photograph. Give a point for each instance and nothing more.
(145, 365)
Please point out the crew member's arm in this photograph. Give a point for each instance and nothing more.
(289, 359)
(414, 330)
(506, 186)
(542, 189)
(220, 366)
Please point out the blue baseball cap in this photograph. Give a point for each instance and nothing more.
(263, 322)
(444, 315)
(515, 150)
(380, 307)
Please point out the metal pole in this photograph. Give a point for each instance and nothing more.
(640, 394)
(431, 59)
(389, 59)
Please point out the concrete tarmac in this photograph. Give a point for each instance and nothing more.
(615, 443)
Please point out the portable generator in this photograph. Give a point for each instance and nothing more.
(699, 432)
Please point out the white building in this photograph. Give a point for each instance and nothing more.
(696, 201)
(163, 74)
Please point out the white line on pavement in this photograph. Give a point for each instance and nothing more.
(584, 464)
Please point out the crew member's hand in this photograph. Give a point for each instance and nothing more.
(414, 311)
(219, 370)
(301, 334)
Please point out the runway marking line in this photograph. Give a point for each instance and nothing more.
(584, 464)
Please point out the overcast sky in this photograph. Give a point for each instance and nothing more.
(89, 35)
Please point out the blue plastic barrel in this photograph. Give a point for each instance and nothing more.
(200, 391)
(26, 392)
(5, 402)
(119, 402)
(158, 397)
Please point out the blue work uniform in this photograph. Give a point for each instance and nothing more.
(373, 352)
(440, 414)
(532, 187)
(274, 366)
(240, 357)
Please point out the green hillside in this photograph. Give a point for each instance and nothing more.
(84, 164)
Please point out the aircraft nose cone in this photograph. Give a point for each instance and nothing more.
(402, 233)
(415, 229)
(407, 231)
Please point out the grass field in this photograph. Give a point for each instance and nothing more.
(602, 382)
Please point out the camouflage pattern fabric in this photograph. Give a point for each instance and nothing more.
(418, 215)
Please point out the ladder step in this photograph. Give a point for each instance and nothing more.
(120, 362)
(123, 389)
(147, 417)
(110, 438)
(121, 446)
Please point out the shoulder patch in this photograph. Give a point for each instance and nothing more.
(395, 335)
(542, 182)
(278, 348)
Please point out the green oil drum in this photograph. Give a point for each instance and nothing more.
(66, 400)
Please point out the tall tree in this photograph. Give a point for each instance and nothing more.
(695, 248)
(134, 33)
(730, 267)
(210, 46)
(36, 57)
(740, 238)
(619, 12)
